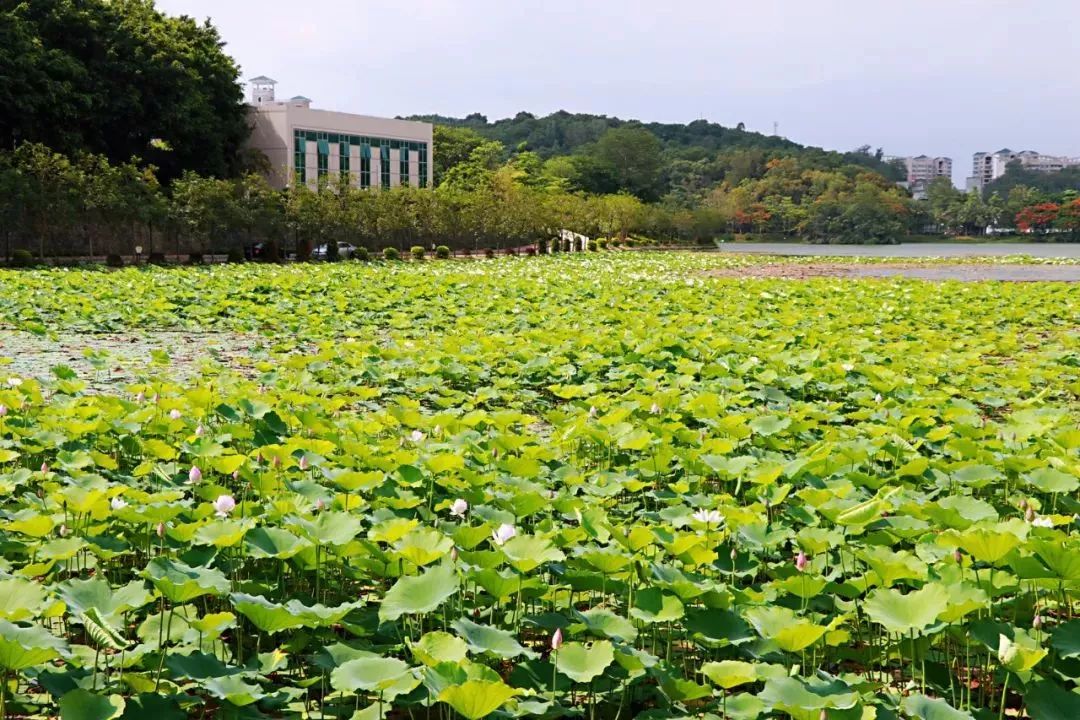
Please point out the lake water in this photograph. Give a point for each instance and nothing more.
(911, 250)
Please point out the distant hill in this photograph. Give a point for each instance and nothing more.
(564, 133)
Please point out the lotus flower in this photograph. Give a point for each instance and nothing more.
(304, 463)
(320, 504)
(3, 410)
(709, 517)
(459, 508)
(556, 639)
(174, 414)
(592, 411)
(63, 531)
(504, 533)
(160, 529)
(44, 468)
(1029, 513)
(1037, 622)
(118, 503)
(800, 561)
(416, 436)
(655, 409)
(140, 397)
(194, 475)
(224, 505)
(1043, 522)
(14, 382)
(200, 431)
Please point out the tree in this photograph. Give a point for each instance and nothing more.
(1069, 219)
(633, 154)
(1038, 218)
(453, 146)
(120, 79)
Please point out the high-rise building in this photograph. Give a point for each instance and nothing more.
(926, 169)
(304, 144)
(987, 167)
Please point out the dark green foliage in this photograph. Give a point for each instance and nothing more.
(442, 252)
(120, 79)
(362, 254)
(22, 258)
(157, 258)
(114, 261)
(417, 252)
(236, 255)
(391, 253)
(195, 259)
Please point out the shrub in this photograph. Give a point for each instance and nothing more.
(602, 244)
(156, 258)
(511, 251)
(489, 253)
(391, 253)
(417, 252)
(114, 260)
(22, 258)
(361, 254)
(195, 259)
(236, 255)
(442, 252)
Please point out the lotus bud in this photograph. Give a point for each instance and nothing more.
(1037, 622)
(160, 529)
(958, 556)
(437, 430)
(200, 431)
(734, 554)
(44, 468)
(3, 410)
(235, 474)
(1029, 514)
(495, 452)
(592, 411)
(140, 397)
(194, 475)
(823, 715)
(453, 554)
(174, 414)
(304, 463)
(877, 398)
(224, 505)
(459, 508)
(800, 561)
(276, 462)
(556, 639)
(655, 409)
(1023, 503)
(155, 398)
(63, 530)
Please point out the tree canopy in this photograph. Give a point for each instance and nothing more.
(121, 79)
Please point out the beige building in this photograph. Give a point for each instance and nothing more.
(987, 167)
(305, 144)
(925, 169)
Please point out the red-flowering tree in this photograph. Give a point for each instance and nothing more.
(1069, 218)
(1038, 218)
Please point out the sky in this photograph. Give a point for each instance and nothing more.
(934, 77)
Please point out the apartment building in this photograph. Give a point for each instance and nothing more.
(304, 144)
(925, 169)
(987, 167)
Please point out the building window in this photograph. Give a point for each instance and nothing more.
(299, 158)
(384, 164)
(343, 158)
(365, 165)
(324, 155)
(403, 166)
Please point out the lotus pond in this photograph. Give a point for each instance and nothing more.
(603, 486)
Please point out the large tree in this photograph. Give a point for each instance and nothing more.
(121, 79)
(633, 154)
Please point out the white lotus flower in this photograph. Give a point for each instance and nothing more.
(3, 410)
(416, 436)
(1042, 521)
(200, 431)
(224, 505)
(709, 517)
(14, 382)
(118, 503)
(304, 463)
(459, 508)
(174, 414)
(655, 409)
(504, 533)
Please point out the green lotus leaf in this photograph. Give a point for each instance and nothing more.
(483, 638)
(730, 673)
(85, 705)
(582, 663)
(273, 618)
(986, 545)
(528, 552)
(21, 599)
(806, 698)
(233, 689)
(653, 605)
(380, 675)
(605, 623)
(439, 647)
(180, 583)
(97, 594)
(783, 627)
(1046, 700)
(24, 647)
(1066, 639)
(1050, 480)
(1019, 653)
(913, 612)
(423, 546)
(922, 707)
(475, 699)
(272, 542)
(418, 594)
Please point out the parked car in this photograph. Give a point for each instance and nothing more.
(258, 251)
(345, 251)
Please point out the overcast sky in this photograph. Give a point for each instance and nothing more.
(940, 77)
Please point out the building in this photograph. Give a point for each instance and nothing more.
(987, 167)
(303, 143)
(924, 169)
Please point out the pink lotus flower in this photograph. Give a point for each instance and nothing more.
(459, 508)
(556, 639)
(174, 414)
(958, 556)
(504, 533)
(224, 505)
(194, 475)
(304, 463)
(3, 410)
(320, 504)
(140, 397)
(200, 431)
(160, 529)
(1037, 622)
(800, 561)
(44, 468)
